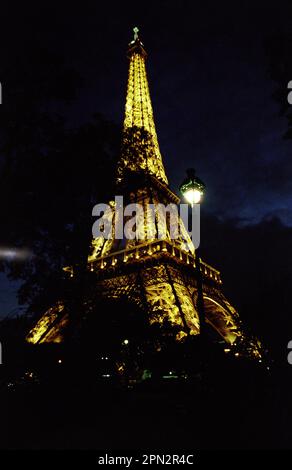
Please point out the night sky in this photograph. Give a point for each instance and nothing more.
(209, 83)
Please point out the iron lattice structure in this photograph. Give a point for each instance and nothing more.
(159, 273)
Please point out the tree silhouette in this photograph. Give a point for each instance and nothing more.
(278, 50)
(51, 176)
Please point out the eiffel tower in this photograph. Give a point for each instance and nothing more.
(158, 274)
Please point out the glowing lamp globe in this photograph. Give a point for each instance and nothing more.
(192, 188)
(193, 196)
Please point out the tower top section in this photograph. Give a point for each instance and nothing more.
(140, 149)
(136, 45)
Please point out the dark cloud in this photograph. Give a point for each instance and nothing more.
(257, 274)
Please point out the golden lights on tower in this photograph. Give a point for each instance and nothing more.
(140, 144)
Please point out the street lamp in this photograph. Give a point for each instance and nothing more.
(192, 188)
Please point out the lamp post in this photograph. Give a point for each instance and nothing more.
(193, 190)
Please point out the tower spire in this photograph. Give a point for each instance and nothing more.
(140, 149)
(136, 31)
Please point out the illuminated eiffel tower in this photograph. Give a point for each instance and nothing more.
(157, 274)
